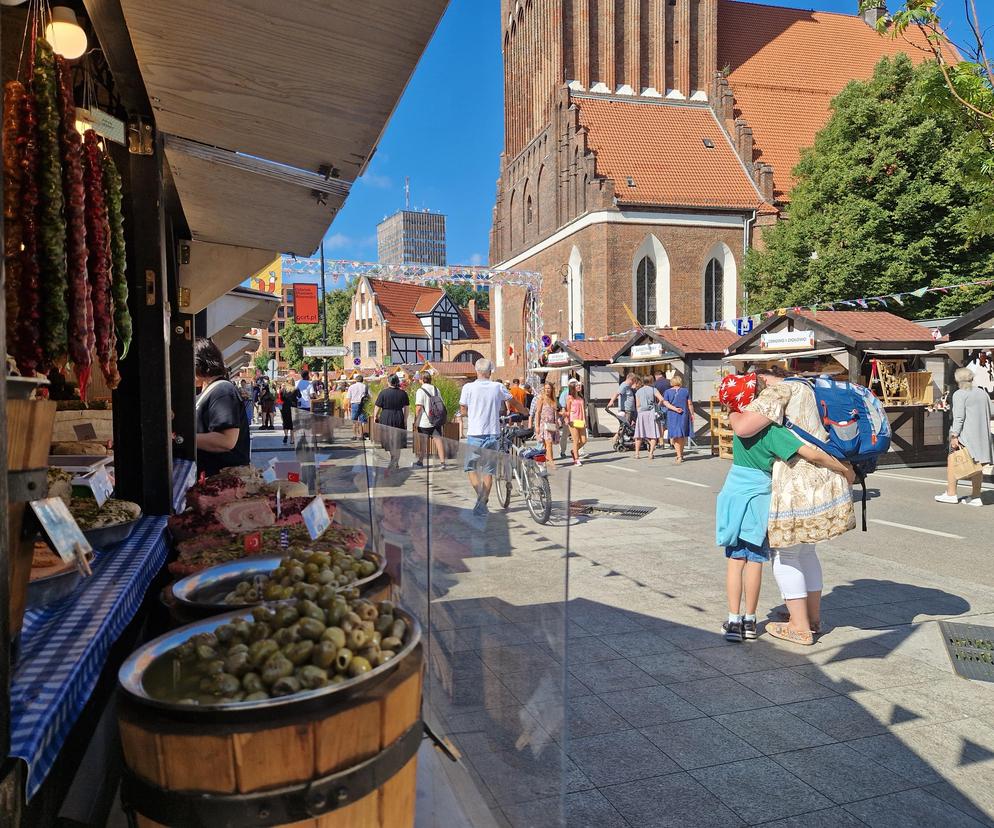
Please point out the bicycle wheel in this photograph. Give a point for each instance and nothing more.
(502, 486)
(539, 496)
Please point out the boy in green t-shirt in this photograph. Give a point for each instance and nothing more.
(743, 506)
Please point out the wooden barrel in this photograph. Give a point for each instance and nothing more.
(29, 436)
(244, 764)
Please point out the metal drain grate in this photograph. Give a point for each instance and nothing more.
(970, 648)
(609, 510)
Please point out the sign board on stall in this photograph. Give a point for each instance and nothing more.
(101, 485)
(787, 341)
(653, 349)
(316, 518)
(305, 304)
(85, 431)
(61, 528)
(102, 123)
(326, 351)
(557, 358)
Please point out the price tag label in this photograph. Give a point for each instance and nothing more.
(85, 432)
(253, 543)
(279, 502)
(269, 475)
(61, 528)
(101, 485)
(316, 518)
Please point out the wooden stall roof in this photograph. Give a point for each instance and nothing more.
(854, 329)
(981, 316)
(590, 351)
(684, 342)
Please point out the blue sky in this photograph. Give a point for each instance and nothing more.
(447, 135)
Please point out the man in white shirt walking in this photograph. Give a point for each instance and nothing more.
(357, 394)
(481, 404)
(306, 389)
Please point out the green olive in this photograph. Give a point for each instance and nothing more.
(342, 660)
(357, 639)
(311, 628)
(264, 614)
(359, 665)
(391, 643)
(260, 630)
(286, 615)
(212, 667)
(258, 695)
(384, 622)
(398, 629)
(286, 686)
(262, 650)
(287, 635)
(308, 609)
(277, 666)
(237, 664)
(336, 635)
(251, 682)
(324, 654)
(205, 653)
(225, 633)
(384, 656)
(312, 677)
(300, 652)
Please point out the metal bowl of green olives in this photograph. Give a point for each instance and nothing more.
(271, 656)
(300, 573)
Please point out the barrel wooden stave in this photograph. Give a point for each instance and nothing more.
(223, 759)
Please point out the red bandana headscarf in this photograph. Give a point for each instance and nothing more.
(737, 390)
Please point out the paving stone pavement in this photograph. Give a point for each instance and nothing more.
(665, 723)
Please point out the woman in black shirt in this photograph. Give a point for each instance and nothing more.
(222, 424)
(390, 411)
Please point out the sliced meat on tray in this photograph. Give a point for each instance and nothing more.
(215, 491)
(246, 515)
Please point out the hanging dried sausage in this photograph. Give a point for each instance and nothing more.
(13, 182)
(119, 289)
(28, 350)
(81, 339)
(51, 223)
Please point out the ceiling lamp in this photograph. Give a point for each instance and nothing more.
(65, 34)
(11, 2)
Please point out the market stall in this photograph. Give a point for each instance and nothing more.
(124, 217)
(969, 343)
(694, 354)
(891, 355)
(587, 360)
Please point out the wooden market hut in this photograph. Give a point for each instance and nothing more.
(969, 342)
(587, 360)
(695, 354)
(893, 356)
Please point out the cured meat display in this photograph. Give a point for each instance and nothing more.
(81, 340)
(192, 523)
(215, 491)
(64, 247)
(241, 516)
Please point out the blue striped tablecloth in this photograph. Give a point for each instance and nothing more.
(64, 646)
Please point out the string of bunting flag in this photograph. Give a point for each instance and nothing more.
(861, 303)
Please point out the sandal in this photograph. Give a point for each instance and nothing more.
(786, 633)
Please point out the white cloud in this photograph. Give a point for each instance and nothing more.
(477, 260)
(380, 182)
(343, 241)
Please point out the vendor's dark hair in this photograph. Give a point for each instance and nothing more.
(208, 361)
(394, 381)
(771, 371)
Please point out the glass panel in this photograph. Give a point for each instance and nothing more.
(640, 296)
(650, 291)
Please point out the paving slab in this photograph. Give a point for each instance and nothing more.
(675, 666)
(647, 706)
(612, 758)
(914, 807)
(614, 674)
(841, 717)
(841, 773)
(773, 730)
(674, 801)
(719, 695)
(699, 743)
(784, 685)
(584, 809)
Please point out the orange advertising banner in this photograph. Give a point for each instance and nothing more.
(305, 304)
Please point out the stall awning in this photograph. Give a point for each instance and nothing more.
(965, 344)
(896, 353)
(642, 363)
(766, 356)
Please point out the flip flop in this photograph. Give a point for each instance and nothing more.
(786, 633)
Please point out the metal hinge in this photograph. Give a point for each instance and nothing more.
(140, 137)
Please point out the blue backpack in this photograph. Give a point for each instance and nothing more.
(857, 425)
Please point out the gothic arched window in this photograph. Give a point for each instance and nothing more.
(714, 278)
(529, 214)
(645, 291)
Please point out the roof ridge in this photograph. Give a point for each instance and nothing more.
(745, 169)
(793, 9)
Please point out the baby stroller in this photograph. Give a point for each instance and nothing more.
(625, 440)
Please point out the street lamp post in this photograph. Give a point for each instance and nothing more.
(324, 326)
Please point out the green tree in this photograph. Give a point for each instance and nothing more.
(461, 295)
(880, 205)
(261, 360)
(962, 87)
(338, 306)
(295, 339)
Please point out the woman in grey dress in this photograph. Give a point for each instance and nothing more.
(971, 429)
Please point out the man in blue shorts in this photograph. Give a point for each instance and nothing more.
(356, 395)
(481, 405)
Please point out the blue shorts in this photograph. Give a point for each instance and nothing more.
(357, 412)
(481, 456)
(743, 551)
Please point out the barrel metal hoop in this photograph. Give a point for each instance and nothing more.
(293, 803)
(24, 485)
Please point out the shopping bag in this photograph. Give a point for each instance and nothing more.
(962, 464)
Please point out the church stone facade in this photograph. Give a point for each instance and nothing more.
(647, 145)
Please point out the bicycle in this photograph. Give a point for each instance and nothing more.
(522, 470)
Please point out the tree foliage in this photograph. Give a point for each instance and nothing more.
(295, 339)
(461, 295)
(338, 306)
(261, 360)
(881, 204)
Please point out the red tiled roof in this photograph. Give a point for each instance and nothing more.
(427, 302)
(693, 341)
(661, 146)
(786, 65)
(478, 328)
(595, 350)
(455, 369)
(869, 326)
(397, 302)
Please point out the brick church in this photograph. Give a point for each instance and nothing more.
(648, 143)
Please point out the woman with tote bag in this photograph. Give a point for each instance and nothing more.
(970, 444)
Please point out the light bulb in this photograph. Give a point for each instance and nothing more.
(65, 34)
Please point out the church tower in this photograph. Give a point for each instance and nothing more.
(651, 48)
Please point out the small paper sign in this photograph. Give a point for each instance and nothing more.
(316, 518)
(101, 485)
(293, 477)
(279, 502)
(61, 528)
(85, 431)
(253, 543)
(269, 475)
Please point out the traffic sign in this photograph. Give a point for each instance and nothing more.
(326, 351)
(272, 366)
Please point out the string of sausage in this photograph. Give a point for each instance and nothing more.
(28, 350)
(81, 339)
(13, 183)
(51, 224)
(99, 261)
(115, 217)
